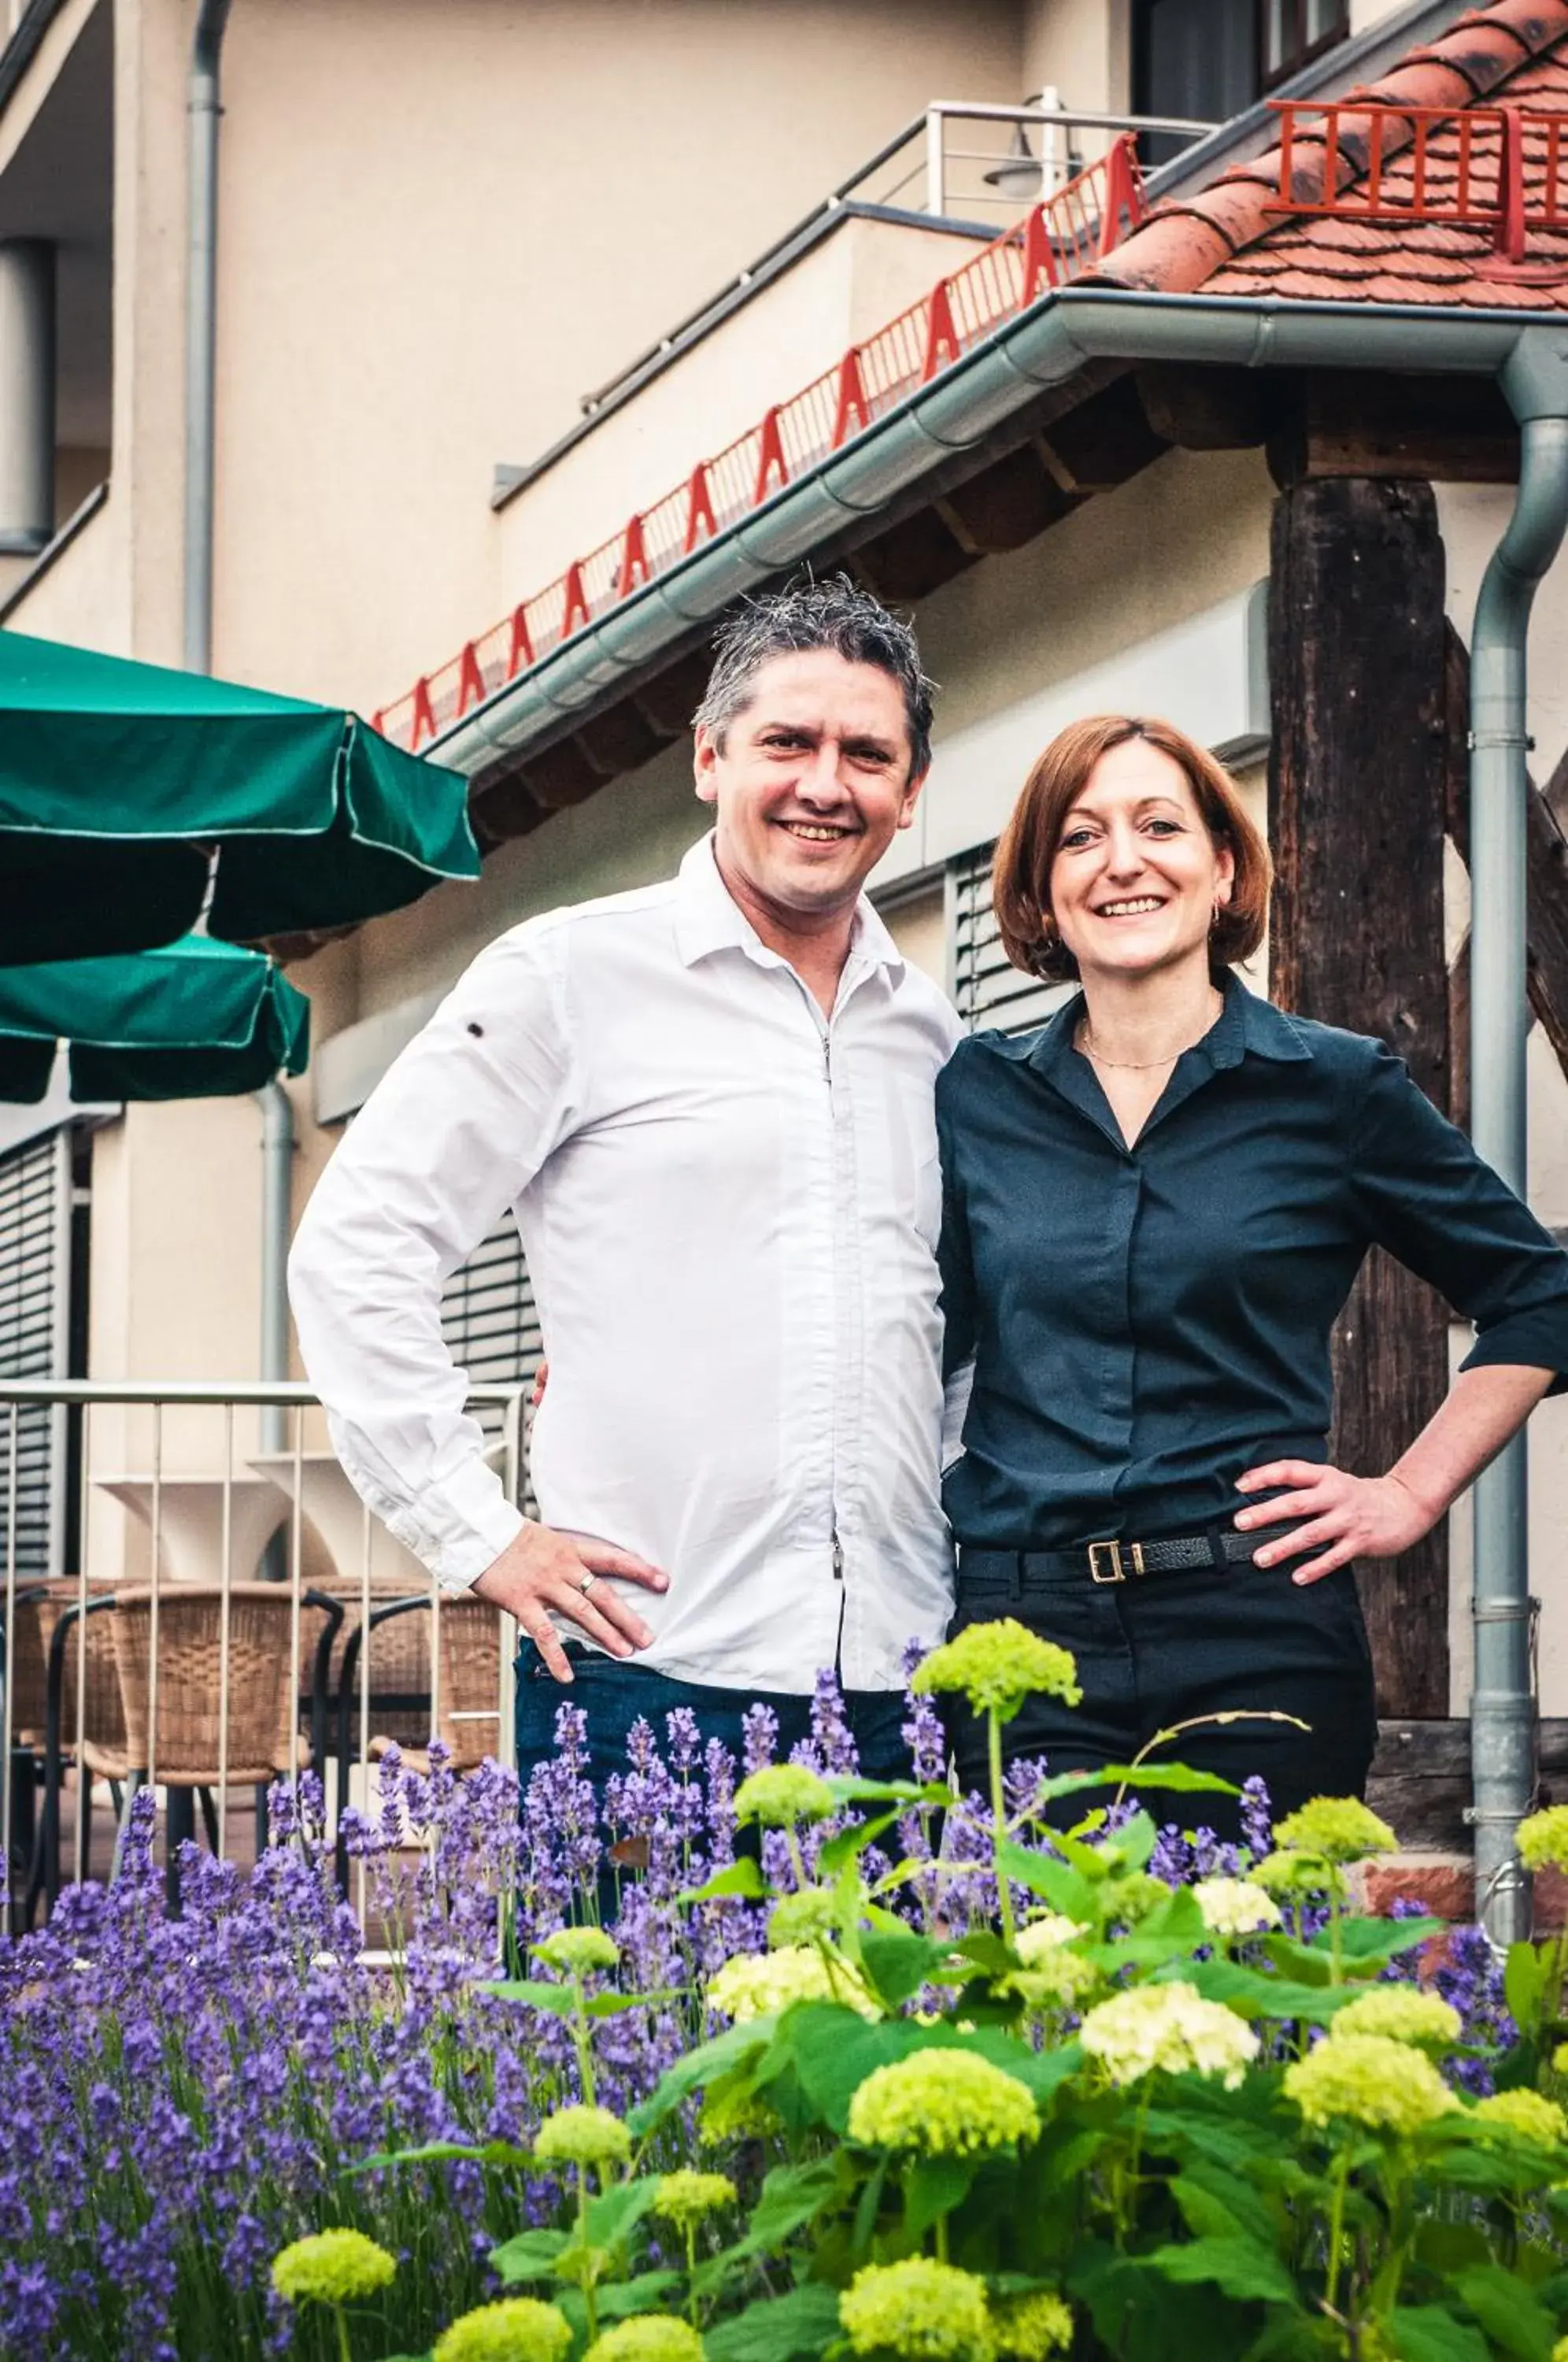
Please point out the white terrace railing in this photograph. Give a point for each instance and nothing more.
(215, 1610)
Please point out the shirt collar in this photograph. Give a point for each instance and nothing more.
(1245, 1024)
(708, 919)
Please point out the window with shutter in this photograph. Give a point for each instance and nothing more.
(35, 1308)
(489, 1322)
(986, 990)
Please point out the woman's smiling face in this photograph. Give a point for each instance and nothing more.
(1136, 875)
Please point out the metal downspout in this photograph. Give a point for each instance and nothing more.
(277, 1182)
(200, 330)
(1503, 1706)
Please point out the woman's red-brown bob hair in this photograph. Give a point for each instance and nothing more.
(1026, 850)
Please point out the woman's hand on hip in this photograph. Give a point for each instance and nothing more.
(1337, 1517)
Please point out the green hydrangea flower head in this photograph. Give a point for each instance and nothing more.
(1046, 1934)
(332, 2268)
(647, 2337)
(518, 2329)
(1560, 2060)
(809, 1917)
(1133, 1897)
(758, 1984)
(1334, 1828)
(1029, 2328)
(943, 2103)
(1527, 2114)
(1560, 2351)
(1403, 2014)
(997, 1666)
(782, 1794)
(919, 2310)
(579, 2135)
(1543, 1839)
(731, 2112)
(1235, 1906)
(1367, 2079)
(686, 2199)
(1292, 1874)
(1169, 2026)
(577, 1952)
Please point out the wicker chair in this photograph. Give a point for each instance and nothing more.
(56, 1647)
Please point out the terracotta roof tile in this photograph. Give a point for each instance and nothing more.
(1226, 241)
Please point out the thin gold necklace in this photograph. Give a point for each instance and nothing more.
(1139, 1065)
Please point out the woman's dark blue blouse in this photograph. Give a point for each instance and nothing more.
(1148, 1322)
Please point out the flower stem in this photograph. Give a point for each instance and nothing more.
(1337, 2225)
(342, 2320)
(942, 2239)
(582, 2034)
(999, 1819)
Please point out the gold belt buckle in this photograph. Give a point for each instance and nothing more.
(1104, 1555)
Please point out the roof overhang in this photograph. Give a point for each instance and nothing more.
(1072, 342)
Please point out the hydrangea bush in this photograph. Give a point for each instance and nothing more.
(772, 2061)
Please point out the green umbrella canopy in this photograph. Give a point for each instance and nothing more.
(194, 1020)
(117, 779)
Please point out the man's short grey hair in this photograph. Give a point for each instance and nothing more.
(807, 615)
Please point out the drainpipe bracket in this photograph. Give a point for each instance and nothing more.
(1480, 738)
(1505, 1611)
(1489, 1817)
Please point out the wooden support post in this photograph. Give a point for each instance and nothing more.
(1356, 796)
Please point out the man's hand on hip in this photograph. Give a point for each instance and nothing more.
(543, 1570)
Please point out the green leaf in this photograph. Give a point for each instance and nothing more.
(849, 1844)
(792, 2328)
(1424, 2333)
(1527, 1975)
(850, 1788)
(792, 2196)
(497, 2153)
(1176, 1779)
(649, 2293)
(619, 2209)
(613, 2005)
(557, 2000)
(1218, 2206)
(531, 2256)
(899, 1965)
(700, 2066)
(1242, 2268)
(1063, 1888)
(1254, 1994)
(934, 2186)
(743, 1878)
(1511, 2314)
(1372, 1943)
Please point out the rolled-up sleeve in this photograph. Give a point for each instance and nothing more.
(1442, 1210)
(457, 1127)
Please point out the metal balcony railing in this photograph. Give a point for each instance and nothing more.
(1066, 234)
(235, 1616)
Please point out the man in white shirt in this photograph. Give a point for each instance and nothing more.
(709, 1104)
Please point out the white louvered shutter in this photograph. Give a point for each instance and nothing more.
(35, 1307)
(986, 990)
(489, 1322)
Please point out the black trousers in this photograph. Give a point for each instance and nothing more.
(1169, 1648)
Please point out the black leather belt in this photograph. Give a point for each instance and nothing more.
(1112, 1561)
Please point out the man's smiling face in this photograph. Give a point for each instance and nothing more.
(811, 783)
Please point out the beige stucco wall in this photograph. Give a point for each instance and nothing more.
(442, 224)
(854, 281)
(84, 595)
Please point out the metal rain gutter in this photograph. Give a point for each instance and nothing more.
(1044, 346)
(1502, 1706)
(1047, 346)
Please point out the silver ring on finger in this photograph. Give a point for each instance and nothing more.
(589, 1580)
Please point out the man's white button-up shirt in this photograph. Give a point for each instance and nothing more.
(729, 1204)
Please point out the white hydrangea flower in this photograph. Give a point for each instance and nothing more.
(1170, 2026)
(1041, 1936)
(1235, 1906)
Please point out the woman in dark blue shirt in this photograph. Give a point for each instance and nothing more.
(1154, 1207)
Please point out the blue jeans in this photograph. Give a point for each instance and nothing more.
(613, 1692)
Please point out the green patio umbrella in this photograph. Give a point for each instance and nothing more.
(119, 780)
(195, 1020)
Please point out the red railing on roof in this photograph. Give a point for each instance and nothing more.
(1058, 241)
(1493, 168)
